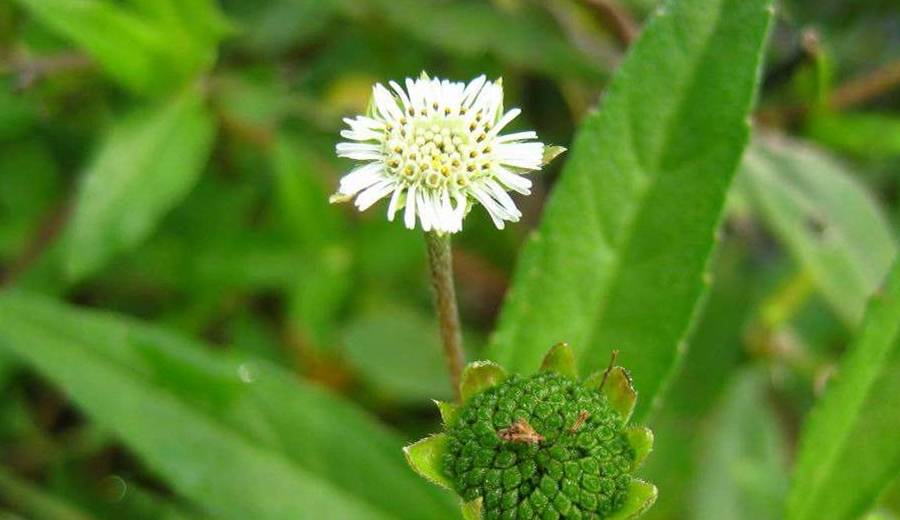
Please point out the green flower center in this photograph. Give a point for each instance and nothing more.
(541, 446)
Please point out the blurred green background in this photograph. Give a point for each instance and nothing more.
(171, 161)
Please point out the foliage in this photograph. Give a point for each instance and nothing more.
(644, 189)
(847, 454)
(189, 330)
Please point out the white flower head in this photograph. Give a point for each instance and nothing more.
(435, 148)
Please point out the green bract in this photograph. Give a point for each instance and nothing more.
(542, 446)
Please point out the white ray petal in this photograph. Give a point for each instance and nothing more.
(364, 123)
(373, 194)
(496, 213)
(385, 102)
(415, 96)
(400, 92)
(472, 89)
(409, 215)
(518, 136)
(394, 205)
(503, 198)
(362, 135)
(513, 181)
(361, 178)
(424, 211)
(505, 120)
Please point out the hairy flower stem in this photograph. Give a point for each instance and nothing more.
(440, 261)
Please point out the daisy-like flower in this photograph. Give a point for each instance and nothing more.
(435, 148)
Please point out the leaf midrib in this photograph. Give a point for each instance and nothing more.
(652, 171)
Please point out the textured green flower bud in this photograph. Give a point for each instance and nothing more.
(543, 446)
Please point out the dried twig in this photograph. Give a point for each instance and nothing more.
(612, 361)
(28, 72)
(579, 421)
(46, 234)
(522, 432)
(617, 19)
(854, 92)
(872, 85)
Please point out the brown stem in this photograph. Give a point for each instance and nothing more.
(617, 19)
(46, 235)
(29, 72)
(612, 362)
(867, 87)
(440, 261)
(850, 94)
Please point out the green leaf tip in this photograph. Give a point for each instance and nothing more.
(550, 153)
(472, 510)
(641, 495)
(478, 377)
(424, 457)
(641, 440)
(560, 359)
(448, 411)
(615, 384)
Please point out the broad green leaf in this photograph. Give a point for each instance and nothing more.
(880, 515)
(193, 29)
(128, 48)
(825, 218)
(28, 498)
(743, 473)
(241, 438)
(716, 350)
(138, 502)
(144, 167)
(618, 260)
(114, 495)
(848, 451)
(863, 134)
(203, 20)
(399, 353)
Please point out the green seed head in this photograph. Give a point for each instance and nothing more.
(538, 447)
(543, 446)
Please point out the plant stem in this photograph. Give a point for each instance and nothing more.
(440, 261)
(617, 19)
